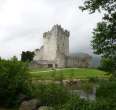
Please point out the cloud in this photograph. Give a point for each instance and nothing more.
(22, 23)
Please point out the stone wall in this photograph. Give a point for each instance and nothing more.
(50, 45)
(39, 54)
(61, 60)
(76, 61)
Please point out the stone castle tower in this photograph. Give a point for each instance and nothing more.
(55, 50)
(55, 46)
(55, 42)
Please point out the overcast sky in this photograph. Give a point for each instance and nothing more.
(22, 23)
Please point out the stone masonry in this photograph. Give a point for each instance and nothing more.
(55, 51)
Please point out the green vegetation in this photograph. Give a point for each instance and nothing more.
(14, 81)
(15, 78)
(67, 73)
(50, 94)
(14, 75)
(104, 35)
(110, 87)
(27, 56)
(105, 99)
(76, 103)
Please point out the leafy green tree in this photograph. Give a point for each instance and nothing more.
(104, 35)
(104, 43)
(104, 40)
(93, 5)
(27, 56)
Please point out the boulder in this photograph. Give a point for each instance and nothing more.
(30, 105)
(45, 108)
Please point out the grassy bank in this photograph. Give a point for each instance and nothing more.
(67, 73)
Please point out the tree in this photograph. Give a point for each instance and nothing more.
(27, 56)
(14, 58)
(104, 43)
(104, 35)
(104, 40)
(93, 5)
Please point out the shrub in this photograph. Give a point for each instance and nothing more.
(107, 90)
(106, 95)
(50, 94)
(109, 65)
(75, 103)
(93, 79)
(14, 81)
(87, 87)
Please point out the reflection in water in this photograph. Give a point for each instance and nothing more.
(84, 95)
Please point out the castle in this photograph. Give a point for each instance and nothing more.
(55, 51)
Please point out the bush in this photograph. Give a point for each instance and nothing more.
(50, 94)
(107, 90)
(14, 81)
(109, 65)
(106, 99)
(106, 95)
(75, 103)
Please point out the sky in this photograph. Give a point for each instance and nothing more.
(23, 22)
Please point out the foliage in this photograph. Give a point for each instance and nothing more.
(93, 5)
(104, 40)
(27, 56)
(75, 103)
(93, 80)
(104, 36)
(50, 94)
(106, 95)
(104, 43)
(14, 81)
(87, 87)
(108, 65)
(107, 90)
(106, 98)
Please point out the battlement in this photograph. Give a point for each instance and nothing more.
(55, 30)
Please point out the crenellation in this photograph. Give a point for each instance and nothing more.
(67, 33)
(44, 34)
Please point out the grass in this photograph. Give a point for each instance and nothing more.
(67, 73)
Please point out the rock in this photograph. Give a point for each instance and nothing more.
(23, 97)
(30, 105)
(45, 108)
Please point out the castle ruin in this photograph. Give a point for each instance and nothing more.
(55, 51)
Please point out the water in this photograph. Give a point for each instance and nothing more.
(84, 95)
